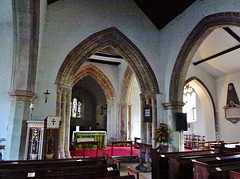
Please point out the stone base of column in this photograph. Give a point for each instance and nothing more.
(67, 154)
(61, 155)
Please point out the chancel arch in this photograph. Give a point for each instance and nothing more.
(116, 40)
(108, 89)
(202, 30)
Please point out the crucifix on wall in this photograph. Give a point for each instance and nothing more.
(46, 96)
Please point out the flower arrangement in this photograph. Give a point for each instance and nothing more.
(162, 134)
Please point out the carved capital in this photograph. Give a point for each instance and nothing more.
(22, 95)
(173, 105)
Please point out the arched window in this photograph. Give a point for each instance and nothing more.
(76, 108)
(189, 98)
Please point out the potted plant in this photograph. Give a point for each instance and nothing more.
(162, 136)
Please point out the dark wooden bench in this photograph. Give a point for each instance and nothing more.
(218, 170)
(182, 166)
(82, 168)
(160, 168)
(234, 174)
(133, 171)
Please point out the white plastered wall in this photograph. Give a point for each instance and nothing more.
(228, 130)
(70, 22)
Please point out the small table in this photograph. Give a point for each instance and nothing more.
(84, 143)
(120, 142)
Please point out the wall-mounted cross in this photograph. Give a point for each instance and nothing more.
(53, 121)
(46, 97)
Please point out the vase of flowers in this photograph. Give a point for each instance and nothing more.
(162, 136)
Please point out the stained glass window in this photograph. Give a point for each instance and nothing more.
(76, 108)
(189, 98)
(79, 108)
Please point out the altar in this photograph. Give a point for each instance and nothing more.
(97, 136)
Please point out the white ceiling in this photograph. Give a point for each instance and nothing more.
(218, 41)
(5, 11)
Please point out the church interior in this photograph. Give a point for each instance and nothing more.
(81, 81)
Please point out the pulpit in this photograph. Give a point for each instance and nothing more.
(42, 138)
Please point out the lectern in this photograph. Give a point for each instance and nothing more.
(51, 138)
(42, 138)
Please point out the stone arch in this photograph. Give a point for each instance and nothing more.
(126, 84)
(190, 46)
(208, 103)
(99, 76)
(113, 38)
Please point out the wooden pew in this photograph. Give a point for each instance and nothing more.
(160, 168)
(234, 174)
(96, 167)
(217, 170)
(133, 171)
(182, 166)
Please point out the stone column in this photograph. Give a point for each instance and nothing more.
(129, 121)
(143, 124)
(175, 106)
(67, 123)
(124, 121)
(25, 56)
(16, 134)
(63, 123)
(154, 118)
(148, 126)
(59, 113)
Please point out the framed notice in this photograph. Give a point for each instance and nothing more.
(147, 113)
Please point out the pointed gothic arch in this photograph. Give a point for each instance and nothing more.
(126, 84)
(190, 46)
(99, 76)
(209, 105)
(113, 38)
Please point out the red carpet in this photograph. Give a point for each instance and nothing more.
(117, 151)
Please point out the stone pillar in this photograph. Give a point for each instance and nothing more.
(154, 118)
(63, 123)
(67, 123)
(25, 56)
(16, 134)
(148, 126)
(129, 113)
(178, 138)
(59, 113)
(124, 121)
(143, 124)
